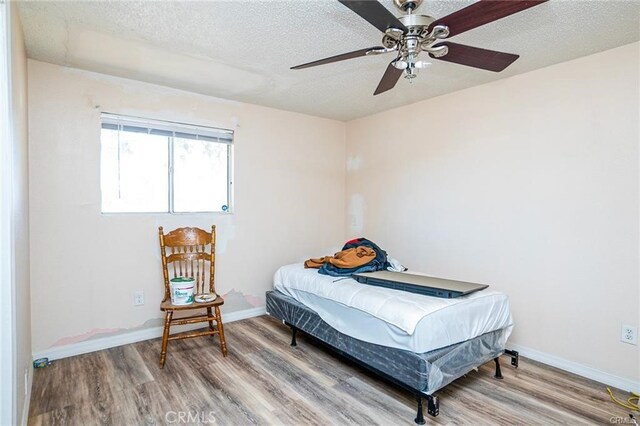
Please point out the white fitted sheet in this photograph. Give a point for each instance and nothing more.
(394, 318)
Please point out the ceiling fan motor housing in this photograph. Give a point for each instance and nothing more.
(417, 29)
(418, 25)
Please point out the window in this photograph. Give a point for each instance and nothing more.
(163, 167)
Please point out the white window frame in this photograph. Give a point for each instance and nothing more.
(171, 128)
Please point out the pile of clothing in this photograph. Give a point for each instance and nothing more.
(357, 255)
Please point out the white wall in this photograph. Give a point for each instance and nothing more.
(289, 202)
(529, 184)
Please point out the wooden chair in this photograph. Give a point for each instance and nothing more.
(184, 252)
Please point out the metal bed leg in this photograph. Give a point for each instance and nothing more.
(293, 336)
(514, 357)
(433, 405)
(419, 417)
(498, 374)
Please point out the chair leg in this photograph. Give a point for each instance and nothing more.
(165, 337)
(223, 343)
(209, 314)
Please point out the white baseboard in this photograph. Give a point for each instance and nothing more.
(93, 345)
(579, 369)
(27, 397)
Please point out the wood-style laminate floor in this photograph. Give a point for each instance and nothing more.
(265, 381)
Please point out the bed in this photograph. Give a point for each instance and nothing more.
(418, 342)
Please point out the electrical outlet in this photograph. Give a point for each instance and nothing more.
(629, 334)
(138, 298)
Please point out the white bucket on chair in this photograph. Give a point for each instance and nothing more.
(182, 290)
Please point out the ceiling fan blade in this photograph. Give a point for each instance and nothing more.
(389, 79)
(475, 57)
(374, 13)
(342, 57)
(481, 13)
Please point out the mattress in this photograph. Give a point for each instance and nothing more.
(395, 318)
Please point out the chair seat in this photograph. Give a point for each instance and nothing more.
(168, 306)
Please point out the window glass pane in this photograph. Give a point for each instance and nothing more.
(134, 172)
(200, 176)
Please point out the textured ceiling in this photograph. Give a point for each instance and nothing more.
(242, 50)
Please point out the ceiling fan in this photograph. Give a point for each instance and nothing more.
(411, 34)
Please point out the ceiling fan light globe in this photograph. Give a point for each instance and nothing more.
(422, 64)
(400, 64)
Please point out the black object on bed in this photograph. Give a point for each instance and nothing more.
(420, 284)
(420, 373)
